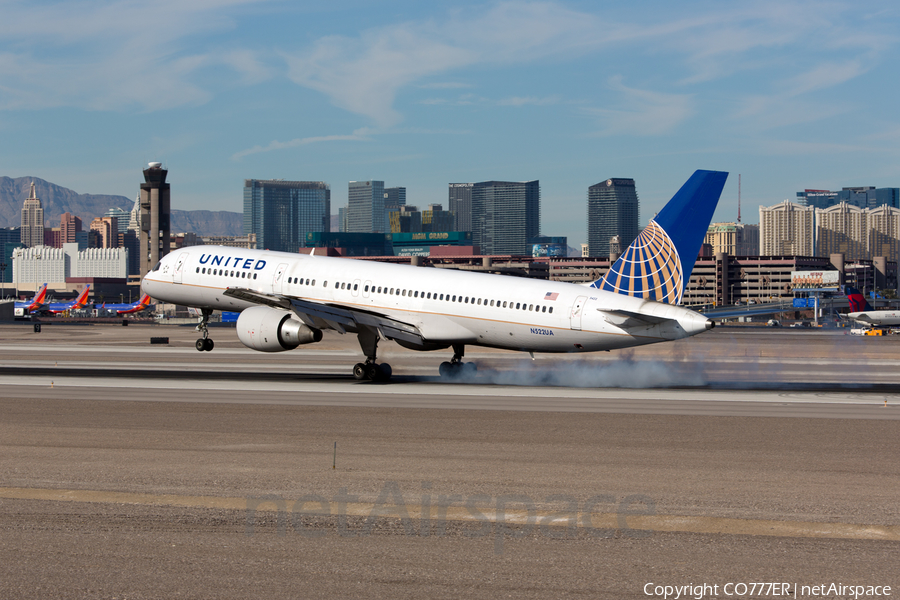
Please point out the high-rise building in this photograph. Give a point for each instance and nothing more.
(613, 209)
(409, 219)
(70, 226)
(32, 221)
(365, 207)
(506, 215)
(735, 239)
(460, 204)
(343, 223)
(281, 213)
(787, 229)
(394, 199)
(884, 233)
(10, 239)
(154, 220)
(107, 229)
(861, 197)
(123, 216)
(842, 229)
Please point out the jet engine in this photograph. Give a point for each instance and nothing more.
(273, 330)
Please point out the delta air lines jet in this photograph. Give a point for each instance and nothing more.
(287, 299)
(863, 313)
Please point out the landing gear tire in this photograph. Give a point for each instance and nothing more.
(457, 369)
(359, 371)
(209, 344)
(204, 344)
(386, 371)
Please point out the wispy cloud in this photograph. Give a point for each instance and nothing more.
(642, 112)
(364, 74)
(360, 135)
(114, 55)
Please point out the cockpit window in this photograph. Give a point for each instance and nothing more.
(156, 268)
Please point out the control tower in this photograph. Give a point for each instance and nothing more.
(154, 203)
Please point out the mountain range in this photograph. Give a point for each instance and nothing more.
(57, 200)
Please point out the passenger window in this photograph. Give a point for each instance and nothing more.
(415, 294)
(325, 283)
(403, 293)
(254, 276)
(391, 292)
(366, 289)
(543, 309)
(198, 269)
(454, 298)
(243, 274)
(442, 297)
(313, 282)
(504, 304)
(356, 286)
(551, 309)
(379, 289)
(429, 296)
(531, 307)
(336, 285)
(518, 304)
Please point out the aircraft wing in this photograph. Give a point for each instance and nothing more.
(333, 316)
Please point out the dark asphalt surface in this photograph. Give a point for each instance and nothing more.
(812, 473)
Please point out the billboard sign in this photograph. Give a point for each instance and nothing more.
(808, 280)
(549, 250)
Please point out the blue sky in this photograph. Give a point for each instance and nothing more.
(792, 95)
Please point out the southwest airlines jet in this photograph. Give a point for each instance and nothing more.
(287, 299)
(36, 302)
(126, 309)
(81, 301)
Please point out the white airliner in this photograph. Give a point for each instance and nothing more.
(287, 299)
(863, 313)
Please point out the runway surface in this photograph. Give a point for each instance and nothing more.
(131, 470)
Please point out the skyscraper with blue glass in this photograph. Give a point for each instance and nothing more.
(281, 213)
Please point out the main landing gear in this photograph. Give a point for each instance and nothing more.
(456, 367)
(204, 343)
(368, 341)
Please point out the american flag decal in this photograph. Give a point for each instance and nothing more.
(551, 296)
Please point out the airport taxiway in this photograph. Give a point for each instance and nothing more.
(127, 468)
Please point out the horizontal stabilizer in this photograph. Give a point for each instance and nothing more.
(626, 319)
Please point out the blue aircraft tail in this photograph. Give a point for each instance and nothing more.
(858, 302)
(658, 264)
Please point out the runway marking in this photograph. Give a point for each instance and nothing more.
(420, 393)
(649, 523)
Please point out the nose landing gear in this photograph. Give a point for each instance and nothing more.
(204, 343)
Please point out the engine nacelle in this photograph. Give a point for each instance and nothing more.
(273, 330)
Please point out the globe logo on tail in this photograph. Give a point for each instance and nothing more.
(650, 268)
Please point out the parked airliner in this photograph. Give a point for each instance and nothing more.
(863, 313)
(81, 301)
(126, 309)
(287, 299)
(36, 302)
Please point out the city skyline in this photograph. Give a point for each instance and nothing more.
(562, 92)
